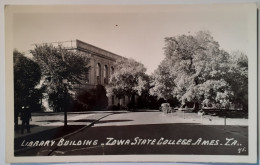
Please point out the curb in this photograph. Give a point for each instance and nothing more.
(67, 135)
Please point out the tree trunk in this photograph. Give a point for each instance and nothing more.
(133, 101)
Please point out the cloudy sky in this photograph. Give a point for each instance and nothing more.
(131, 31)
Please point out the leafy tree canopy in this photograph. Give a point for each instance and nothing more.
(195, 69)
(129, 78)
(58, 64)
(27, 73)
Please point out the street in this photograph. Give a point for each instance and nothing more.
(147, 132)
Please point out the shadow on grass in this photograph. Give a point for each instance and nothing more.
(111, 121)
(145, 110)
(19, 127)
(102, 121)
(84, 120)
(233, 114)
(49, 121)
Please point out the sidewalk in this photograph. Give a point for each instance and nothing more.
(41, 123)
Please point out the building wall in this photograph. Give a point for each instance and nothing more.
(103, 58)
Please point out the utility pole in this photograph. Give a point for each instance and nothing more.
(64, 82)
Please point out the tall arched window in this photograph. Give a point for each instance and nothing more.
(98, 73)
(105, 74)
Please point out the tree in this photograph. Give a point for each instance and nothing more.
(195, 69)
(129, 79)
(27, 75)
(161, 81)
(238, 78)
(61, 69)
(94, 99)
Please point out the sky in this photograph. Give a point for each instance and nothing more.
(136, 32)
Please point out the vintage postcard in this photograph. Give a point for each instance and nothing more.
(131, 83)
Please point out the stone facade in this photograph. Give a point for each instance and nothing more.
(101, 68)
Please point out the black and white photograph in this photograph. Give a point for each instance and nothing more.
(131, 83)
